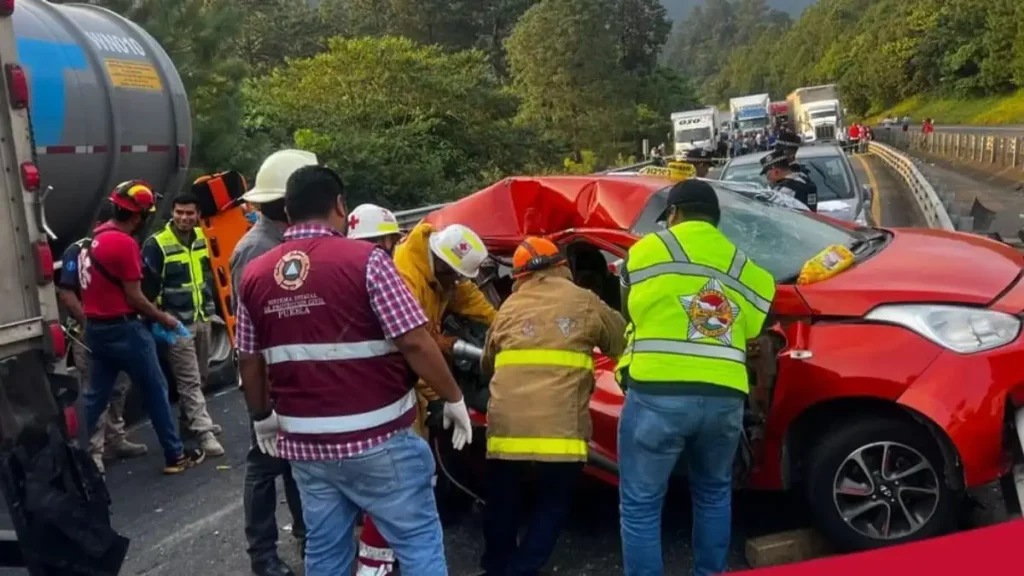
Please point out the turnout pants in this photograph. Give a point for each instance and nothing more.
(110, 429)
(504, 554)
(260, 502)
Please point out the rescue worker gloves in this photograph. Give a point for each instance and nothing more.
(457, 414)
(368, 221)
(274, 173)
(460, 248)
(266, 433)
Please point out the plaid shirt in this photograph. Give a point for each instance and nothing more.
(395, 308)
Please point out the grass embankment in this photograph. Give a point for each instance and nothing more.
(976, 112)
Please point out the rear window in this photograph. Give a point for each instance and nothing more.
(828, 174)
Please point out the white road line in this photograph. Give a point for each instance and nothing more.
(189, 531)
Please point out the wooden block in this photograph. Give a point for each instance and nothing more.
(785, 547)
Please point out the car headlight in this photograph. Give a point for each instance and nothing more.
(958, 328)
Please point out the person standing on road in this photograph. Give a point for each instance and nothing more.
(261, 470)
(701, 159)
(110, 277)
(110, 441)
(325, 328)
(685, 395)
(540, 350)
(783, 178)
(178, 278)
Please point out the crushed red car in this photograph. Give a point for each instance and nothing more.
(880, 393)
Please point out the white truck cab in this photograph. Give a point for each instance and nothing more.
(695, 129)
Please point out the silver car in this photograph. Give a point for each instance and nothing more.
(840, 196)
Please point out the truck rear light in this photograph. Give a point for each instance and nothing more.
(30, 176)
(58, 344)
(17, 85)
(6, 7)
(44, 263)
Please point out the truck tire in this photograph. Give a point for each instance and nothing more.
(859, 503)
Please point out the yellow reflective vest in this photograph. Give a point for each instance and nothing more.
(694, 301)
(185, 291)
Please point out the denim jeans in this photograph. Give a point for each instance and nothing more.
(392, 483)
(654, 430)
(127, 346)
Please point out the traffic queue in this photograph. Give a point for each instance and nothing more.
(342, 356)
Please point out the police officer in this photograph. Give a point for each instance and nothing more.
(701, 159)
(693, 300)
(787, 180)
(789, 143)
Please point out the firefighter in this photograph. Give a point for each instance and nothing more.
(110, 276)
(787, 180)
(261, 470)
(692, 300)
(179, 279)
(540, 350)
(438, 266)
(328, 328)
(375, 224)
(110, 441)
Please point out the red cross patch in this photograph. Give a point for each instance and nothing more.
(353, 221)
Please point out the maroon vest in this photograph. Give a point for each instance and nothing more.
(334, 376)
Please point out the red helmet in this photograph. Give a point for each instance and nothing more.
(134, 196)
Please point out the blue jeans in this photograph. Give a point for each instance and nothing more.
(127, 346)
(654, 430)
(392, 483)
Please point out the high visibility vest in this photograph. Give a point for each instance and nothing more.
(694, 301)
(184, 292)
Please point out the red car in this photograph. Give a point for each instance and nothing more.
(895, 383)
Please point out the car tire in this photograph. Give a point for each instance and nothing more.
(851, 512)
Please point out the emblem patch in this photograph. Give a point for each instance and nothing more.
(711, 313)
(291, 270)
(461, 249)
(566, 325)
(528, 330)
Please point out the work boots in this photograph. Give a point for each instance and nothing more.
(124, 449)
(208, 443)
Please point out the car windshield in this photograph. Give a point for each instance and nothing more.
(693, 135)
(752, 124)
(779, 239)
(823, 114)
(827, 173)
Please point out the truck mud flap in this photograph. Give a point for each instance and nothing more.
(59, 506)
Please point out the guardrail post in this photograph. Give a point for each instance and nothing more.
(1014, 145)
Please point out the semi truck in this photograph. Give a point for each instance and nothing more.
(695, 129)
(750, 113)
(816, 112)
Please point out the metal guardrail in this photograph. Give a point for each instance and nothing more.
(985, 149)
(934, 207)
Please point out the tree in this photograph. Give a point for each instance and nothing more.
(273, 30)
(564, 59)
(644, 30)
(404, 124)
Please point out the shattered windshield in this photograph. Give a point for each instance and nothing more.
(778, 239)
(827, 173)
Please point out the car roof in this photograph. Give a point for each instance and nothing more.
(812, 151)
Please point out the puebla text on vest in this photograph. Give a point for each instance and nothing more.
(293, 305)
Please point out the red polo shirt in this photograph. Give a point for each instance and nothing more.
(119, 255)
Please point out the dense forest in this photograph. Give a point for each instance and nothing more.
(881, 52)
(419, 101)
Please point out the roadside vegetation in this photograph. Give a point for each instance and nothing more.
(958, 61)
(420, 101)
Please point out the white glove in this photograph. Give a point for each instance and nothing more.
(455, 412)
(266, 434)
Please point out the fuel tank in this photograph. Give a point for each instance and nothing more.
(106, 104)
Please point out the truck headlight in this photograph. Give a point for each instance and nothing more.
(957, 328)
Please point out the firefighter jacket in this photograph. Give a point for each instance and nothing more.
(180, 274)
(540, 349)
(694, 301)
(412, 258)
(799, 186)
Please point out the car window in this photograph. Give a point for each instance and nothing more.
(778, 239)
(828, 174)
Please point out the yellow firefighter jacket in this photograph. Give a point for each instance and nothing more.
(412, 258)
(540, 348)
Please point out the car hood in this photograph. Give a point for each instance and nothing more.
(920, 265)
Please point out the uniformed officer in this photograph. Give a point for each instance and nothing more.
(693, 300)
(701, 159)
(787, 180)
(789, 143)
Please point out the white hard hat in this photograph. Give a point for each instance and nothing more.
(274, 174)
(371, 221)
(460, 248)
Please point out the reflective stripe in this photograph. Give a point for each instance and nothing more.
(388, 228)
(738, 260)
(689, 269)
(171, 249)
(549, 446)
(717, 351)
(350, 422)
(675, 249)
(538, 357)
(328, 352)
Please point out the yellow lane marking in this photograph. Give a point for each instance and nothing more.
(876, 203)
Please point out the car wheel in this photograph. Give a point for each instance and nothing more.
(876, 482)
